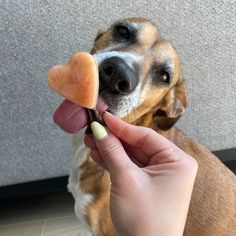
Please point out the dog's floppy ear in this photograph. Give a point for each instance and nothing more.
(172, 106)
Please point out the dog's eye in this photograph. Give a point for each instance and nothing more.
(163, 76)
(122, 32)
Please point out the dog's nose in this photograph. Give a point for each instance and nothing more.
(117, 77)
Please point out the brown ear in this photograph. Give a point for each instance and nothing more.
(172, 106)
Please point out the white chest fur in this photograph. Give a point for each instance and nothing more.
(80, 153)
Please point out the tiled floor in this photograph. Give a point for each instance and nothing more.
(42, 215)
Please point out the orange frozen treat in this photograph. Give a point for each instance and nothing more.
(77, 81)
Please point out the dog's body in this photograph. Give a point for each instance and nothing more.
(141, 81)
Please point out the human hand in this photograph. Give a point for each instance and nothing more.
(152, 179)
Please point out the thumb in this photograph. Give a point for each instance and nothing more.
(111, 150)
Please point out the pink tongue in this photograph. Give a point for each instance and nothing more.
(70, 117)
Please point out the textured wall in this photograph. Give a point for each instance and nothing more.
(38, 34)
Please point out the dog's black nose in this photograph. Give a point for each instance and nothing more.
(117, 77)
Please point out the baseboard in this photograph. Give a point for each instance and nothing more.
(228, 157)
(59, 184)
(34, 187)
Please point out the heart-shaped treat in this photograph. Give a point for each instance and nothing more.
(77, 81)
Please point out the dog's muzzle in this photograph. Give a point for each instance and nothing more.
(117, 77)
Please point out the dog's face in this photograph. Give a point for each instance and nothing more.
(140, 73)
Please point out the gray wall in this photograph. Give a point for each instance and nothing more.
(38, 34)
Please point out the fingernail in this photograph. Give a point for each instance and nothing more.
(99, 132)
(105, 113)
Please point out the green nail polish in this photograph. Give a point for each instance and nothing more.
(99, 132)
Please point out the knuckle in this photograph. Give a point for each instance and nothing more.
(190, 165)
(146, 132)
(110, 149)
(124, 130)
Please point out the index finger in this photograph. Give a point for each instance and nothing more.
(146, 139)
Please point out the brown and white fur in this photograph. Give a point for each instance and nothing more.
(157, 100)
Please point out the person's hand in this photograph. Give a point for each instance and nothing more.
(152, 179)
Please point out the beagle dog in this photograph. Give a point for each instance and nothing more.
(141, 82)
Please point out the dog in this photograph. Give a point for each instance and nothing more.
(141, 81)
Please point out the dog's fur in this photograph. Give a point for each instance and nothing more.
(156, 103)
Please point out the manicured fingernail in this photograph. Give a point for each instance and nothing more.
(99, 132)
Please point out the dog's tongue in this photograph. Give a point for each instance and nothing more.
(71, 117)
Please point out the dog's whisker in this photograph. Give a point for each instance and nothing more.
(128, 116)
(138, 117)
(95, 49)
